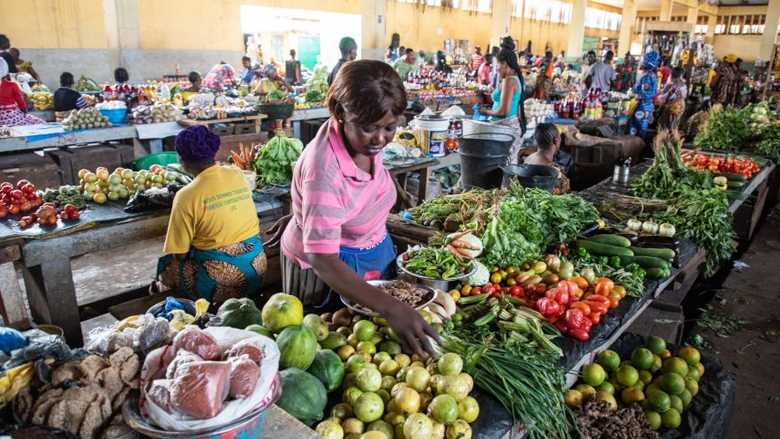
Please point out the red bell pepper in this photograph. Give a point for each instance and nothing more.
(548, 307)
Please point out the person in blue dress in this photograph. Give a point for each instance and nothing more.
(645, 90)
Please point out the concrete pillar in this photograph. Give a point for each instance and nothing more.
(576, 28)
(693, 16)
(712, 21)
(374, 27)
(500, 21)
(627, 27)
(666, 10)
(770, 30)
(123, 29)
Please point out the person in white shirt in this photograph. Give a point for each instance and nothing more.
(602, 75)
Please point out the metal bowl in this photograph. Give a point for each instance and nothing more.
(428, 298)
(439, 284)
(248, 426)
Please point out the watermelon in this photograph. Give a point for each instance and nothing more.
(303, 396)
(297, 345)
(327, 368)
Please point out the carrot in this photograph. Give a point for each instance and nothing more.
(238, 161)
(455, 252)
(464, 253)
(464, 245)
(461, 234)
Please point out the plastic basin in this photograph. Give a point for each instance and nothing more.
(116, 117)
(161, 158)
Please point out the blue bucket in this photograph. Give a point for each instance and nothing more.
(116, 117)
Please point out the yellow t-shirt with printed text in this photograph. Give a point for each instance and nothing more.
(213, 211)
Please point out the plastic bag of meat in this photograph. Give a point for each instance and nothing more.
(182, 357)
(195, 340)
(199, 389)
(248, 348)
(160, 394)
(244, 373)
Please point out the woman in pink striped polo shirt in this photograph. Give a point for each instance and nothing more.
(336, 239)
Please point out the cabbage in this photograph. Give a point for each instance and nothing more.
(481, 277)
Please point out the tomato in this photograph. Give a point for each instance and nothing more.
(541, 288)
(579, 334)
(14, 209)
(488, 288)
(516, 291)
(16, 194)
(475, 291)
(620, 290)
(582, 306)
(595, 317)
(64, 215)
(70, 208)
(53, 219)
(580, 281)
(614, 300)
(28, 188)
(562, 327)
(603, 286)
(77, 215)
(466, 290)
(21, 183)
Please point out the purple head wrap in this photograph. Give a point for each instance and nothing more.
(197, 144)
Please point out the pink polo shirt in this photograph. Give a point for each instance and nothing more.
(334, 203)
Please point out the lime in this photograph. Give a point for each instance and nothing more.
(653, 418)
(639, 384)
(700, 367)
(389, 367)
(364, 330)
(356, 363)
(468, 409)
(671, 418)
(573, 398)
(675, 365)
(609, 360)
(606, 386)
(673, 384)
(604, 396)
(385, 395)
(631, 395)
(642, 358)
(418, 378)
(665, 354)
(677, 403)
(645, 377)
(657, 363)
(443, 409)
(685, 397)
(691, 385)
(693, 373)
(615, 384)
(260, 330)
(450, 364)
(369, 379)
(659, 401)
(366, 346)
(369, 407)
(656, 344)
(627, 376)
(652, 388)
(390, 347)
(593, 374)
(586, 390)
(380, 357)
(690, 355)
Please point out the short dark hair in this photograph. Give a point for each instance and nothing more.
(66, 79)
(546, 135)
(121, 75)
(366, 90)
(488, 57)
(246, 58)
(14, 52)
(591, 52)
(292, 52)
(5, 43)
(609, 55)
(347, 44)
(408, 51)
(677, 72)
(10, 61)
(193, 76)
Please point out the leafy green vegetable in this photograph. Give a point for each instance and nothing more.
(315, 96)
(734, 129)
(668, 176)
(276, 96)
(274, 161)
(770, 144)
(436, 263)
(64, 195)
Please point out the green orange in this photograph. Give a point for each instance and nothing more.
(642, 358)
(627, 376)
(673, 384)
(656, 344)
(690, 355)
(609, 360)
(593, 374)
(675, 365)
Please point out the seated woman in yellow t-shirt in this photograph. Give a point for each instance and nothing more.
(272, 81)
(213, 251)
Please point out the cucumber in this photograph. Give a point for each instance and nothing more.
(732, 177)
(658, 272)
(660, 253)
(736, 183)
(645, 262)
(608, 239)
(598, 249)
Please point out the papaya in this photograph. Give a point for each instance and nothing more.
(303, 396)
(327, 368)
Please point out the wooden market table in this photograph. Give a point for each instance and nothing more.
(46, 259)
(401, 167)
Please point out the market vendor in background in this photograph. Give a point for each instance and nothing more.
(727, 82)
(590, 59)
(13, 110)
(626, 74)
(5, 43)
(249, 71)
(23, 66)
(348, 48)
(292, 70)
(212, 243)
(272, 81)
(476, 59)
(406, 65)
(601, 75)
(441, 63)
(645, 91)
(548, 143)
(121, 76)
(341, 195)
(67, 99)
(483, 73)
(508, 98)
(672, 100)
(544, 79)
(195, 82)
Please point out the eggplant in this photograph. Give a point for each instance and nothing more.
(654, 240)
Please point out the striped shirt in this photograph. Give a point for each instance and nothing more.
(476, 61)
(334, 203)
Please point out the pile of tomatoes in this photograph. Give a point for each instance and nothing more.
(572, 303)
(19, 198)
(719, 164)
(47, 215)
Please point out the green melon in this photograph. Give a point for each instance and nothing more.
(303, 396)
(327, 367)
(297, 345)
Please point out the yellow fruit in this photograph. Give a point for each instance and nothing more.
(586, 390)
(645, 377)
(675, 365)
(631, 395)
(281, 311)
(685, 397)
(573, 398)
(701, 369)
(665, 354)
(690, 355)
(691, 385)
(657, 364)
(627, 376)
(677, 403)
(604, 396)
(654, 419)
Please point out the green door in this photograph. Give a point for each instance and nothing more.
(308, 50)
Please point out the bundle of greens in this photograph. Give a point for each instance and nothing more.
(276, 96)
(770, 143)
(734, 129)
(467, 207)
(275, 159)
(64, 195)
(668, 176)
(315, 95)
(526, 382)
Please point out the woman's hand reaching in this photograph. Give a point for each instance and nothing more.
(413, 331)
